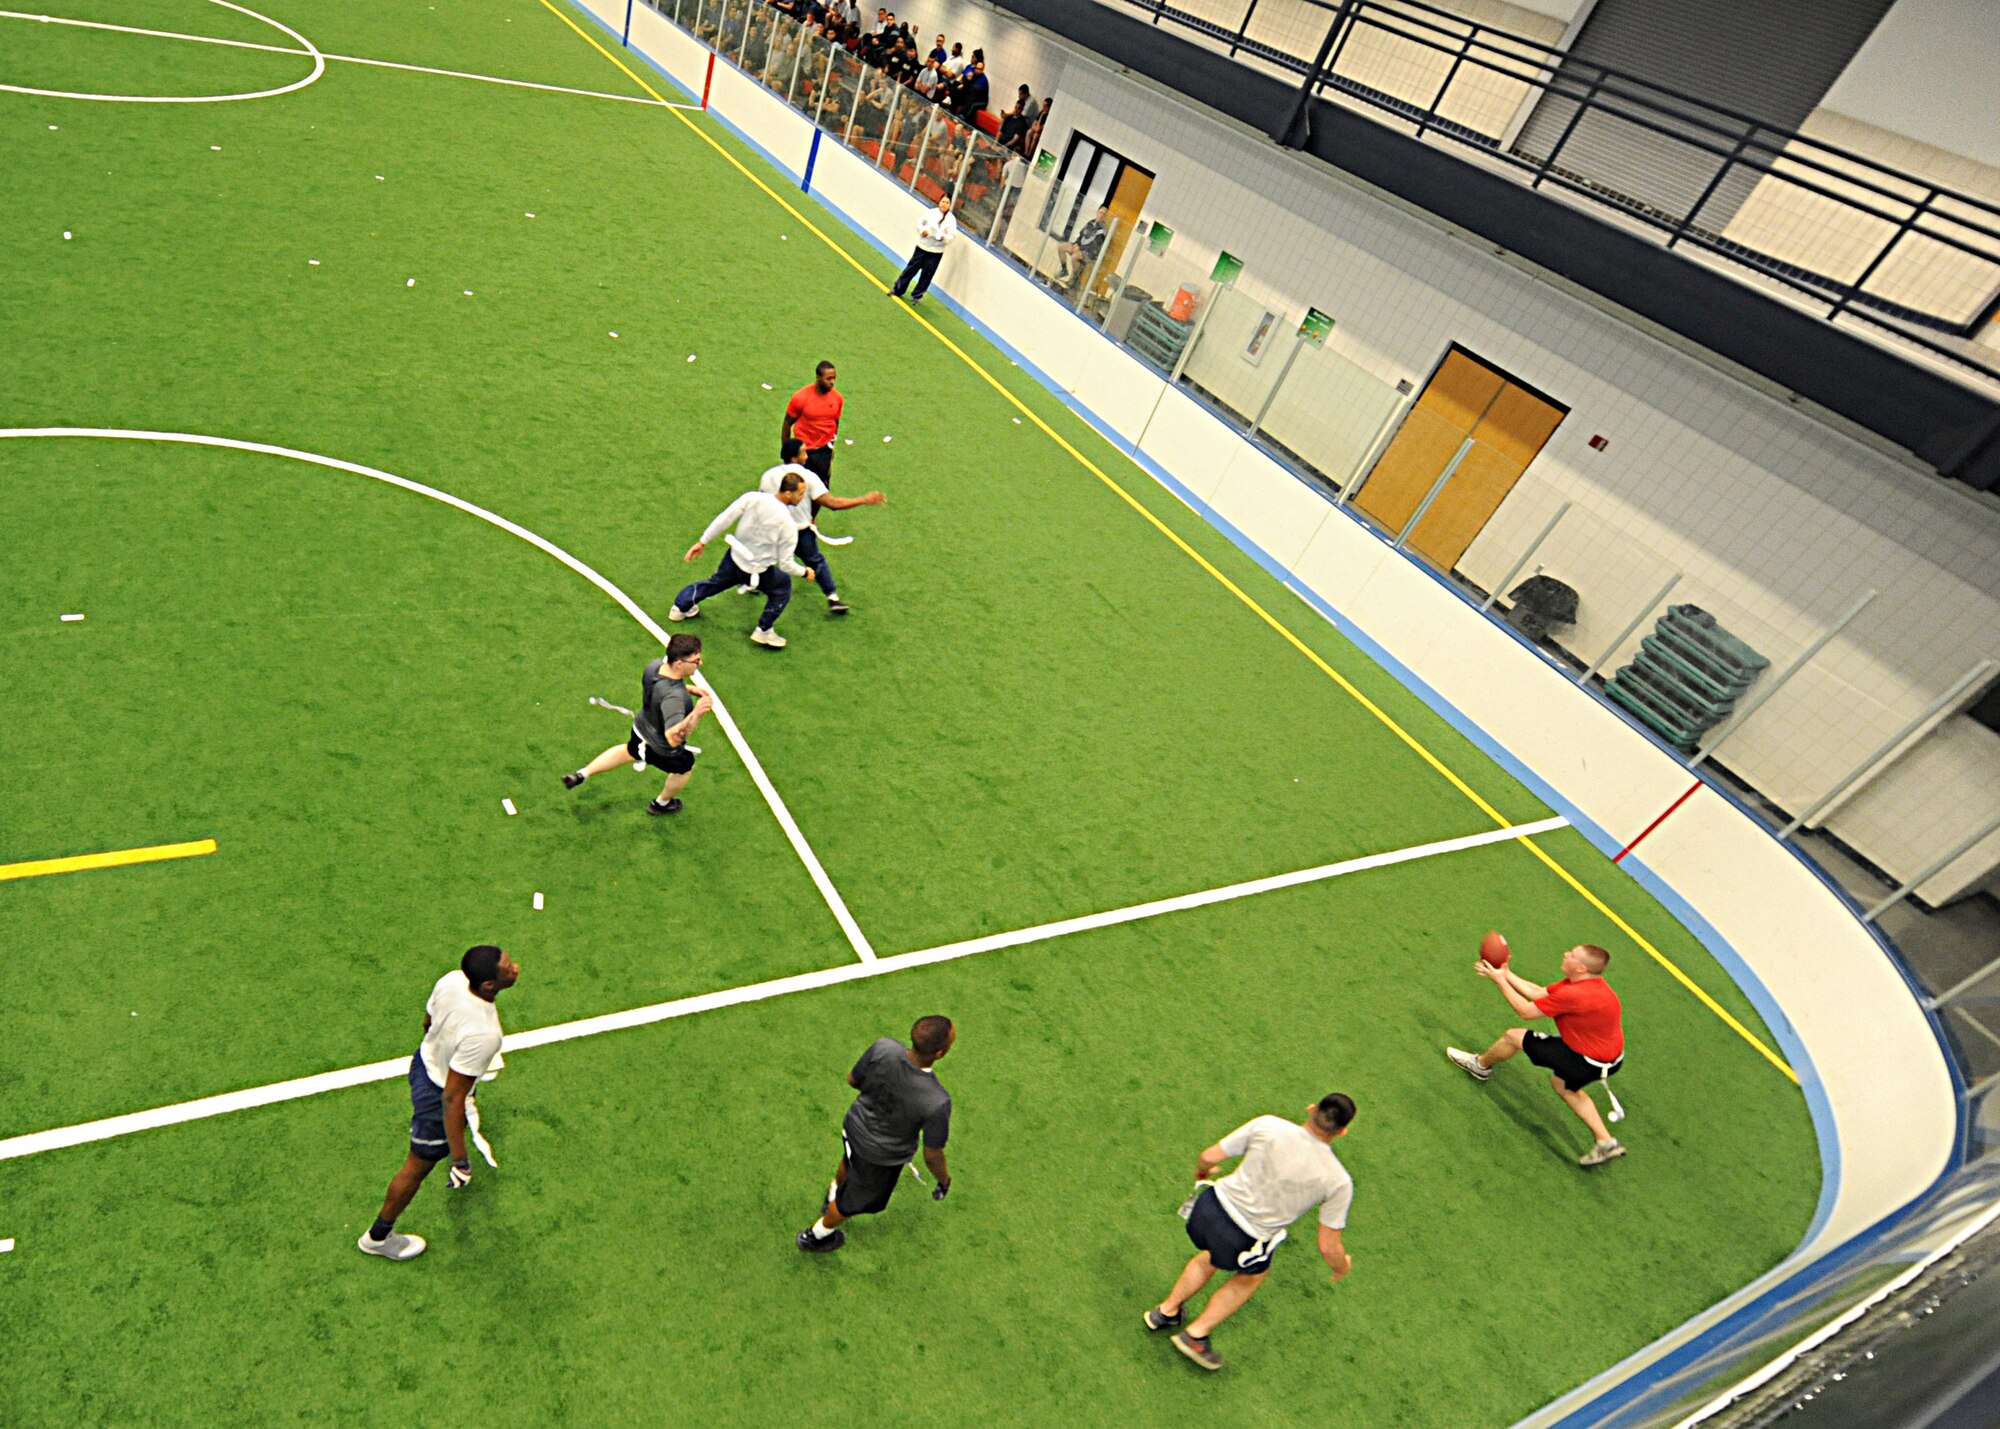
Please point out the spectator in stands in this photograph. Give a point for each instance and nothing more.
(871, 120)
(971, 91)
(905, 64)
(1076, 256)
(881, 22)
(1017, 119)
(956, 62)
(1032, 140)
(869, 51)
(1012, 179)
(939, 54)
(929, 78)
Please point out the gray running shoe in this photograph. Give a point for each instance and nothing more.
(1157, 1321)
(394, 1246)
(1200, 1351)
(1469, 1062)
(1602, 1152)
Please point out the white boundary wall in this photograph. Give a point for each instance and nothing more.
(1870, 1062)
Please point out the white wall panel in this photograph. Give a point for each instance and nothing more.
(1190, 443)
(1269, 505)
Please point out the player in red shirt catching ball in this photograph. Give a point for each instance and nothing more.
(1589, 1041)
(813, 416)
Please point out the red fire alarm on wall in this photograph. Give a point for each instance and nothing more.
(1599, 443)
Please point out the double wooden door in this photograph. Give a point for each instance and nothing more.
(1507, 424)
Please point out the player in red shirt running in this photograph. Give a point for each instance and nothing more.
(813, 416)
(1588, 1045)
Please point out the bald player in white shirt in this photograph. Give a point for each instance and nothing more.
(1237, 1223)
(461, 1041)
(762, 552)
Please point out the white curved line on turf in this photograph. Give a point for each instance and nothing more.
(343, 59)
(834, 902)
(34, 1142)
(318, 67)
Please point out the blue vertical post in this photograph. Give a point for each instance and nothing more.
(626, 38)
(812, 157)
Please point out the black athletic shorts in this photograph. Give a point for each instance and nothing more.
(1552, 1053)
(867, 1188)
(819, 461)
(671, 761)
(1229, 1246)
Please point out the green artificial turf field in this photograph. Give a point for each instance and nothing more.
(1042, 709)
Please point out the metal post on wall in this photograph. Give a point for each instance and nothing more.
(798, 63)
(889, 125)
(923, 149)
(1771, 687)
(1626, 634)
(854, 109)
(1935, 866)
(1860, 771)
(964, 167)
(825, 83)
(1525, 556)
(1377, 444)
(1264, 410)
(1194, 335)
(1133, 245)
(1296, 128)
(1450, 470)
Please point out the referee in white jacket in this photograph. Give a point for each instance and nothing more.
(761, 554)
(937, 229)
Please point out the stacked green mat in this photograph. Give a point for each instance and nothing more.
(1687, 676)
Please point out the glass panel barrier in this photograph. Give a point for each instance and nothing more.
(707, 15)
(1021, 235)
(1328, 415)
(1235, 361)
(982, 184)
(810, 83)
(879, 98)
(781, 52)
(843, 88)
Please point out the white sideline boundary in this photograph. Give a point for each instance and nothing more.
(834, 902)
(311, 50)
(108, 1128)
(308, 52)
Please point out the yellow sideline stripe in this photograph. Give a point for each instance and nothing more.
(1415, 745)
(115, 859)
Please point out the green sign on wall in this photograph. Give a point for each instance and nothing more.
(1315, 327)
(1157, 239)
(1227, 266)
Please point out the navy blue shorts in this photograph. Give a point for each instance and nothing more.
(427, 1138)
(1229, 1247)
(668, 761)
(1552, 1054)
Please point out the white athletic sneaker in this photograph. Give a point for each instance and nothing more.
(1602, 1152)
(769, 638)
(395, 1246)
(1470, 1063)
(674, 612)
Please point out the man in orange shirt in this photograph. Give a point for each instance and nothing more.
(1588, 1045)
(813, 416)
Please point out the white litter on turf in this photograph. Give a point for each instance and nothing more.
(8, 1244)
(848, 440)
(468, 292)
(411, 284)
(765, 385)
(538, 902)
(529, 215)
(379, 179)
(215, 148)
(508, 804)
(888, 439)
(312, 262)
(690, 357)
(65, 233)
(72, 617)
(1017, 421)
(614, 334)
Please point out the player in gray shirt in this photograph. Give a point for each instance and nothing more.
(668, 712)
(900, 1099)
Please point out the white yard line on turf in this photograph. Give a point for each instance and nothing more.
(344, 59)
(834, 902)
(36, 1142)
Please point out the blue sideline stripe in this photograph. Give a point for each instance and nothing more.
(1816, 1100)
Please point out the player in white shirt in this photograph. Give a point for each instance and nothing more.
(761, 553)
(1237, 1223)
(461, 1041)
(818, 498)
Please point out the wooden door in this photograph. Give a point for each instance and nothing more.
(1128, 199)
(1508, 424)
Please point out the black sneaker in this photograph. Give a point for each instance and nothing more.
(655, 807)
(837, 607)
(819, 1245)
(1200, 1351)
(1156, 1321)
(572, 779)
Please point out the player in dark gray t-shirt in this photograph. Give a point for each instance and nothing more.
(900, 1100)
(667, 715)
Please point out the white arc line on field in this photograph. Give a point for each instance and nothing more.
(285, 50)
(835, 904)
(312, 50)
(35, 1142)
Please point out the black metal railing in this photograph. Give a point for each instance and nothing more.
(1871, 242)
